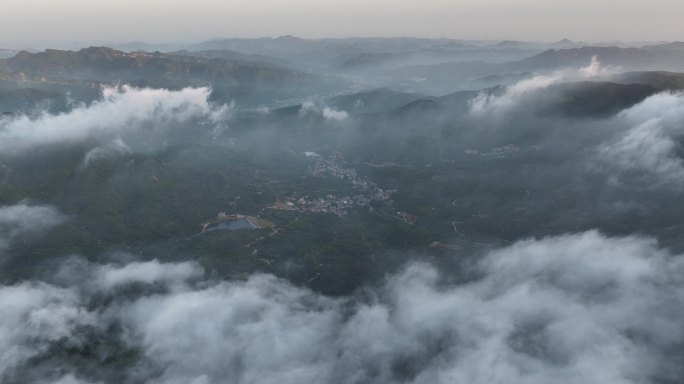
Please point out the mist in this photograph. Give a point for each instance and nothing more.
(550, 310)
(120, 114)
(21, 220)
(581, 20)
(497, 205)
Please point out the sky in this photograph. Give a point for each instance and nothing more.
(42, 23)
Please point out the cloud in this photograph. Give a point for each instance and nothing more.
(333, 114)
(70, 379)
(110, 276)
(486, 103)
(578, 307)
(557, 310)
(25, 220)
(116, 148)
(649, 148)
(329, 113)
(122, 112)
(594, 69)
(35, 317)
(77, 271)
(262, 330)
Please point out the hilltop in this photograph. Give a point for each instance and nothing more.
(231, 77)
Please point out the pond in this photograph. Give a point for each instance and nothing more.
(233, 225)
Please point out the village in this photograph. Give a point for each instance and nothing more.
(332, 166)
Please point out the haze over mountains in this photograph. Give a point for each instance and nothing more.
(235, 67)
(361, 210)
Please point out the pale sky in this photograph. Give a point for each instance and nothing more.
(41, 23)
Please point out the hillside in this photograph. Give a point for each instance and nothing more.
(251, 81)
(106, 64)
(629, 58)
(671, 81)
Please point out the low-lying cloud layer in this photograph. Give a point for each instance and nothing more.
(36, 317)
(558, 310)
(328, 113)
(485, 103)
(20, 220)
(650, 146)
(122, 116)
(582, 307)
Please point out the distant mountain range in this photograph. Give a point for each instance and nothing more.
(227, 54)
(106, 64)
(232, 75)
(652, 58)
(279, 71)
(450, 76)
(574, 99)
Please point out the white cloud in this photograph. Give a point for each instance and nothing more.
(122, 111)
(23, 219)
(484, 104)
(260, 331)
(71, 379)
(115, 148)
(109, 276)
(328, 113)
(559, 310)
(35, 316)
(593, 69)
(333, 114)
(649, 147)
(581, 307)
